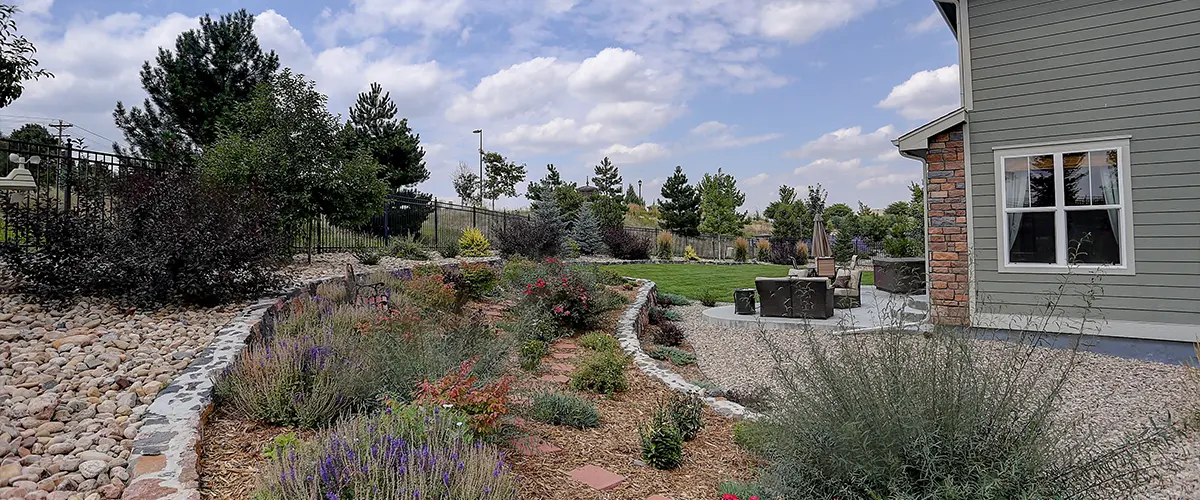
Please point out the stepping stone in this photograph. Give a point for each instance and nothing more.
(658, 497)
(565, 345)
(596, 477)
(532, 446)
(562, 355)
(561, 367)
(558, 379)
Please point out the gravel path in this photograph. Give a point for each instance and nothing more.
(74, 383)
(334, 264)
(1111, 394)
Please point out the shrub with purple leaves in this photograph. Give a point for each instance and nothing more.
(391, 456)
(303, 381)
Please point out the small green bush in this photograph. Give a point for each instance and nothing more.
(752, 436)
(532, 352)
(677, 357)
(667, 333)
(672, 315)
(741, 250)
(476, 280)
(689, 253)
(763, 250)
(662, 445)
(280, 444)
(451, 250)
(571, 249)
(673, 299)
(603, 372)
(687, 412)
(663, 248)
(536, 323)
(708, 297)
(516, 272)
(607, 276)
(557, 408)
(472, 243)
(600, 341)
(369, 257)
(408, 248)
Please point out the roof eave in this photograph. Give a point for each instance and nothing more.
(918, 139)
(949, 11)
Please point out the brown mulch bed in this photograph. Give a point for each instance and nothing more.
(231, 449)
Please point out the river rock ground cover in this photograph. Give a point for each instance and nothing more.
(544, 350)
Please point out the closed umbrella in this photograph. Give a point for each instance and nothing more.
(820, 244)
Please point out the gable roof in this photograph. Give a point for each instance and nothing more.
(919, 139)
(949, 10)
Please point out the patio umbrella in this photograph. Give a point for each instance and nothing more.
(820, 244)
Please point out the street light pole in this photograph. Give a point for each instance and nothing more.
(640, 193)
(480, 132)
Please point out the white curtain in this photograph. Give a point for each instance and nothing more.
(1110, 189)
(1016, 191)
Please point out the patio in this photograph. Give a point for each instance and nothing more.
(879, 308)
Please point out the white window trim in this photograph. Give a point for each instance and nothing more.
(1057, 148)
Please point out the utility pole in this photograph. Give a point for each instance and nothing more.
(480, 132)
(60, 126)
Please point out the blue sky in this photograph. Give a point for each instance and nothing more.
(773, 91)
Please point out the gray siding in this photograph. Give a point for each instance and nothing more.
(1082, 69)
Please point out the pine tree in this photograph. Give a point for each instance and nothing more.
(679, 205)
(843, 247)
(212, 70)
(549, 221)
(632, 198)
(719, 201)
(609, 202)
(586, 231)
(787, 214)
(373, 128)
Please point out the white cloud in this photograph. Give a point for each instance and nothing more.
(540, 80)
(847, 143)
(889, 180)
(375, 17)
(799, 20)
(926, 94)
(644, 152)
(828, 164)
(755, 180)
(717, 135)
(709, 128)
(929, 23)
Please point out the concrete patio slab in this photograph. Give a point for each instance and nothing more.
(879, 308)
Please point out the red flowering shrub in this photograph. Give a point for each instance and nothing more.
(431, 291)
(485, 404)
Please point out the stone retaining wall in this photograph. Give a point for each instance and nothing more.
(634, 321)
(165, 451)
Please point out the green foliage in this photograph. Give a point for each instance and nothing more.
(466, 185)
(516, 272)
(680, 205)
(689, 253)
(373, 128)
(603, 372)
(566, 194)
(557, 408)
(472, 243)
(571, 249)
(663, 245)
(687, 412)
(941, 416)
(408, 247)
(607, 179)
(788, 215)
(476, 279)
(369, 256)
(741, 250)
(33, 133)
(213, 70)
(600, 341)
(532, 352)
(662, 444)
(672, 315)
(752, 436)
(407, 348)
(607, 276)
(537, 323)
(540, 236)
(626, 245)
(762, 250)
(451, 249)
(901, 247)
(673, 299)
(501, 176)
(676, 356)
(609, 203)
(843, 248)
(838, 210)
(279, 445)
(284, 141)
(719, 201)
(586, 231)
(708, 297)
(632, 198)
(741, 491)
(18, 63)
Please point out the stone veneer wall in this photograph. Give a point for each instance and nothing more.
(946, 192)
(633, 322)
(165, 451)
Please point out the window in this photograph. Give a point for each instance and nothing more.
(1064, 204)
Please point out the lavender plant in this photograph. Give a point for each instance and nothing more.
(304, 381)
(391, 456)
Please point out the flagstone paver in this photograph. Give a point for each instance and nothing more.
(562, 355)
(561, 367)
(658, 497)
(596, 477)
(558, 379)
(532, 445)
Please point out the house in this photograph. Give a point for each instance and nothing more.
(1076, 153)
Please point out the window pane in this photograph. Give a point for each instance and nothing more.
(1041, 181)
(1094, 236)
(1031, 238)
(1105, 187)
(1090, 178)
(1077, 179)
(1016, 182)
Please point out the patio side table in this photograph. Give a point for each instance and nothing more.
(743, 301)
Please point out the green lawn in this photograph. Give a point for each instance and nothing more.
(691, 279)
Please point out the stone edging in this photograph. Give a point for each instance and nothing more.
(636, 319)
(164, 457)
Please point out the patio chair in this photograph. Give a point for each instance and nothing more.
(826, 267)
(799, 273)
(850, 295)
(794, 297)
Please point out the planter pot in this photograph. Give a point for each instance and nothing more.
(902, 276)
(743, 301)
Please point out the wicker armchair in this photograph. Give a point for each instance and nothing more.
(795, 297)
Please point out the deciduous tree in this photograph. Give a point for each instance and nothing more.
(17, 65)
(502, 174)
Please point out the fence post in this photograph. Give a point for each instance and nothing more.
(435, 223)
(386, 218)
(67, 178)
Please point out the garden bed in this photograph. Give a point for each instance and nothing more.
(232, 461)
